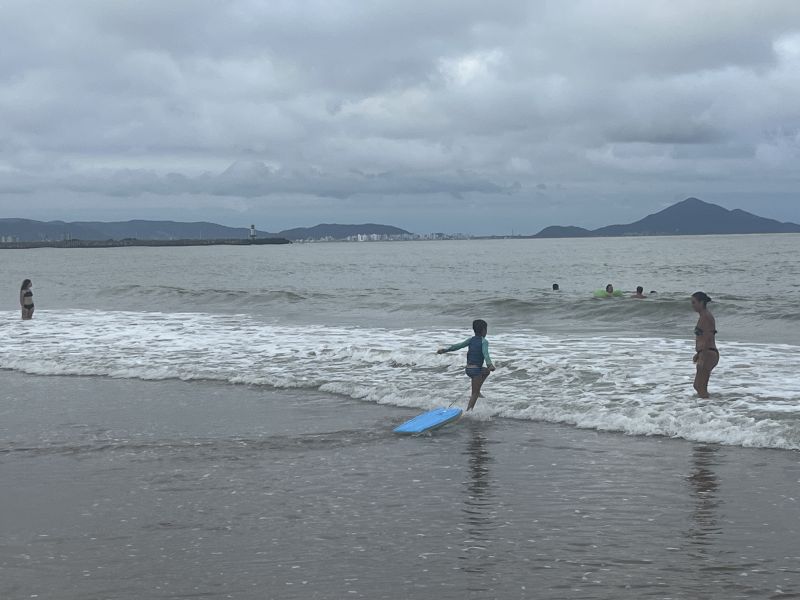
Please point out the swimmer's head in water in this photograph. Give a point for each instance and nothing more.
(700, 300)
(610, 288)
(555, 287)
(480, 327)
(639, 290)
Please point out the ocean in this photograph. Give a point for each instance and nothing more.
(216, 422)
(363, 320)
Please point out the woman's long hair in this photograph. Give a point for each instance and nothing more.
(25, 285)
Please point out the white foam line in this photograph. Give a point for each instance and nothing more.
(637, 386)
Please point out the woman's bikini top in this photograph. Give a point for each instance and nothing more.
(698, 332)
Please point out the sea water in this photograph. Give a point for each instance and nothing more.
(363, 320)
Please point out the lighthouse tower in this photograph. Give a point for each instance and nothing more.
(252, 233)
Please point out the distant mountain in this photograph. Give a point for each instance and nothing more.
(689, 217)
(27, 230)
(166, 230)
(340, 232)
(557, 231)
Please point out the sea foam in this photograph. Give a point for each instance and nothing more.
(638, 386)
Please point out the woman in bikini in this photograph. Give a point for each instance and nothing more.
(26, 300)
(707, 355)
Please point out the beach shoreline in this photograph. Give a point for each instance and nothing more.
(131, 489)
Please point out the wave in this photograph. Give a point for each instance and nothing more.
(638, 386)
(666, 313)
(209, 296)
(585, 305)
(740, 318)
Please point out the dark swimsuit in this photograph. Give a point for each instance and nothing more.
(698, 332)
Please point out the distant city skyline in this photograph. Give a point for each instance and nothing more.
(467, 116)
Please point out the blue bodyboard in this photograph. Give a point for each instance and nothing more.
(428, 421)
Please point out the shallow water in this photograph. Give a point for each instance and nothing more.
(637, 386)
(755, 281)
(363, 320)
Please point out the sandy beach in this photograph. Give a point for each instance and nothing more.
(123, 489)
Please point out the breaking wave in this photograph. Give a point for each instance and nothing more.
(634, 385)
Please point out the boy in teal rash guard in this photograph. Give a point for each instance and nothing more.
(477, 353)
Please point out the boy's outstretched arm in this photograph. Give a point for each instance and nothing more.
(454, 347)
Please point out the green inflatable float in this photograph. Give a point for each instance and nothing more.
(605, 294)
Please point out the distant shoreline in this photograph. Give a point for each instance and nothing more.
(282, 241)
(136, 243)
(625, 235)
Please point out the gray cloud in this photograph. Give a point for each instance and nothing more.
(256, 179)
(315, 109)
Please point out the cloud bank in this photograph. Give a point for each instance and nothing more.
(452, 115)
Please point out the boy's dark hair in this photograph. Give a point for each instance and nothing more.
(479, 326)
(639, 289)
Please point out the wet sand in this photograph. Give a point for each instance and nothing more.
(122, 489)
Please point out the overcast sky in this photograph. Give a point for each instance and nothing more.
(434, 115)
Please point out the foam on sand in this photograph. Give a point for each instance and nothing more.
(639, 386)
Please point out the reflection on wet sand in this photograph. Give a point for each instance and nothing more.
(703, 488)
(479, 512)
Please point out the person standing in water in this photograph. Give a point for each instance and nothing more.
(707, 355)
(639, 293)
(477, 353)
(26, 300)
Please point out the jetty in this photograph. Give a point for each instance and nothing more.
(126, 243)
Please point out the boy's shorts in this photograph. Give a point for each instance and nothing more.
(476, 371)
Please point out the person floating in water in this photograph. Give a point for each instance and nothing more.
(26, 300)
(707, 355)
(477, 353)
(609, 292)
(555, 287)
(639, 293)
